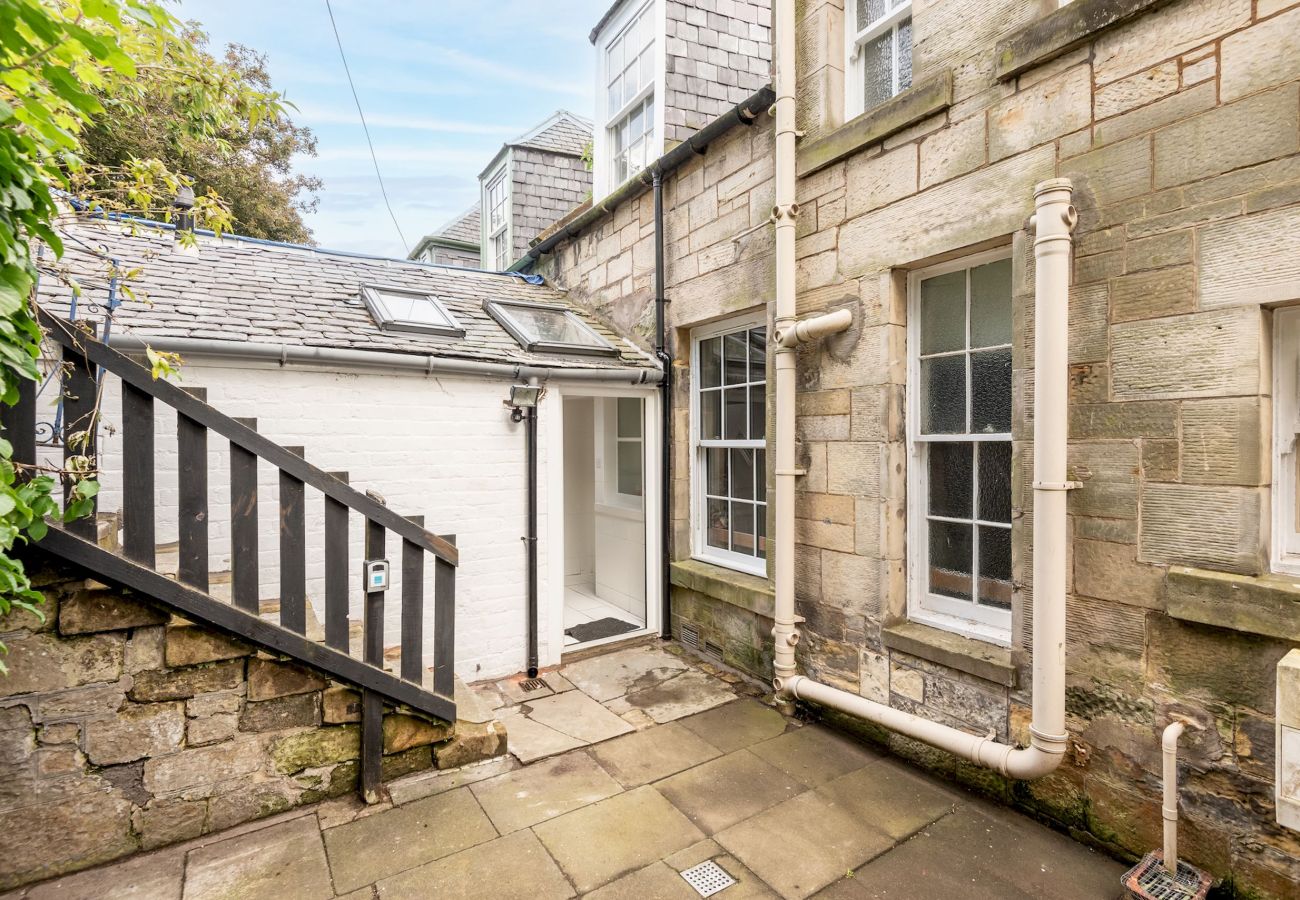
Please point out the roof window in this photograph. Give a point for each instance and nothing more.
(396, 309)
(548, 329)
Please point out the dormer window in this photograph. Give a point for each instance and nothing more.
(628, 72)
(540, 327)
(396, 309)
(496, 205)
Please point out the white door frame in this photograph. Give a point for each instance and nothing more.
(553, 597)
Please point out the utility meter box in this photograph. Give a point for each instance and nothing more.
(1288, 741)
(376, 575)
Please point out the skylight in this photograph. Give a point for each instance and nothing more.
(396, 309)
(548, 329)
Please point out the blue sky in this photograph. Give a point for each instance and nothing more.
(443, 83)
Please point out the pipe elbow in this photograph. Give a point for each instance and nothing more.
(1169, 739)
(1029, 763)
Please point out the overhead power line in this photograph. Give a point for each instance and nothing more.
(364, 127)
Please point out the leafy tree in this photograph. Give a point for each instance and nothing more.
(247, 161)
(57, 58)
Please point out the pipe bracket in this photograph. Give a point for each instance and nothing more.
(797, 473)
(1057, 485)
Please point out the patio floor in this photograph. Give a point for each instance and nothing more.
(626, 769)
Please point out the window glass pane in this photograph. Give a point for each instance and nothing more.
(950, 469)
(757, 354)
(742, 528)
(550, 325)
(616, 56)
(734, 425)
(649, 114)
(711, 415)
(629, 468)
(734, 359)
(943, 313)
(995, 567)
(950, 560)
(760, 526)
(414, 308)
(990, 304)
(943, 395)
(995, 481)
(757, 412)
(715, 460)
(878, 70)
(760, 473)
(990, 372)
(629, 417)
(871, 10)
(711, 362)
(904, 54)
(647, 67)
(717, 530)
(742, 474)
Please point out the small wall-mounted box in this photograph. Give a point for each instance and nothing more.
(1288, 741)
(376, 574)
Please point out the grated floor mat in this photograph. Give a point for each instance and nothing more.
(708, 878)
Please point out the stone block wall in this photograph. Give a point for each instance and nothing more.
(718, 54)
(123, 728)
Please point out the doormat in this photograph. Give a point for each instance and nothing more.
(601, 628)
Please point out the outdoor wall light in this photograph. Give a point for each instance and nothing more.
(522, 397)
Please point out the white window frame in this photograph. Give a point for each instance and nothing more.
(602, 145)
(854, 41)
(1286, 451)
(972, 620)
(492, 256)
(700, 548)
(607, 447)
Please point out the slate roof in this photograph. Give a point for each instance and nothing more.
(464, 227)
(563, 133)
(261, 292)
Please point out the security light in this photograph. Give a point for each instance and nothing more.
(524, 396)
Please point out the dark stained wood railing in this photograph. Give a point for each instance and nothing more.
(83, 359)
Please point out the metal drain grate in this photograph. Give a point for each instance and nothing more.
(533, 684)
(1149, 880)
(690, 635)
(708, 878)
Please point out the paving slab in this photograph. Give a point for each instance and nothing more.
(151, 876)
(814, 754)
(404, 837)
(891, 797)
(513, 689)
(577, 715)
(431, 782)
(727, 790)
(543, 791)
(661, 881)
(285, 861)
(980, 854)
(737, 725)
(800, 846)
(531, 741)
(514, 867)
(690, 692)
(598, 843)
(646, 756)
(626, 671)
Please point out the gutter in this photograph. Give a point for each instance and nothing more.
(284, 354)
(743, 113)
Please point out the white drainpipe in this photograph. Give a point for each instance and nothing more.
(1169, 808)
(1053, 220)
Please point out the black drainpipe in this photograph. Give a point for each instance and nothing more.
(530, 436)
(665, 357)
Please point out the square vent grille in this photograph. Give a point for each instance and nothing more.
(708, 878)
(690, 635)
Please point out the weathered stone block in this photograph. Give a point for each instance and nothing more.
(216, 703)
(1108, 473)
(851, 583)
(45, 662)
(1267, 605)
(1263, 55)
(293, 711)
(1250, 261)
(1111, 572)
(1164, 33)
(189, 645)
(1137, 90)
(93, 610)
(95, 700)
(245, 801)
(1158, 251)
(210, 729)
(1257, 128)
(952, 151)
(1110, 174)
(1174, 526)
(1213, 664)
(471, 743)
(1041, 112)
(165, 822)
(1163, 112)
(319, 747)
(1206, 354)
(402, 732)
(1149, 295)
(339, 705)
(1226, 441)
(71, 832)
(180, 684)
(1115, 421)
(268, 679)
(878, 180)
(145, 649)
(135, 732)
(197, 770)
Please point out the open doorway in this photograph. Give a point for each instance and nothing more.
(605, 571)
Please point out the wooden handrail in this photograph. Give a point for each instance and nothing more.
(137, 376)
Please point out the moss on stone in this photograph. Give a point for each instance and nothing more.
(319, 747)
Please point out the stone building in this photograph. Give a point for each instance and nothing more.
(924, 128)
(454, 244)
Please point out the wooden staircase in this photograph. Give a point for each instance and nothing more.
(178, 576)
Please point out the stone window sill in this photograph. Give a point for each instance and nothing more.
(918, 102)
(1266, 605)
(1061, 31)
(749, 592)
(987, 661)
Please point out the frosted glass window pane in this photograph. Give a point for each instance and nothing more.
(995, 567)
(757, 412)
(735, 425)
(943, 313)
(629, 468)
(943, 395)
(991, 391)
(717, 529)
(715, 459)
(871, 10)
(629, 417)
(711, 415)
(742, 528)
(950, 560)
(757, 354)
(995, 481)
(735, 359)
(951, 478)
(711, 363)
(905, 54)
(878, 70)
(990, 304)
(742, 474)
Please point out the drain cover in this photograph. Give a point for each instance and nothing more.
(708, 878)
(533, 684)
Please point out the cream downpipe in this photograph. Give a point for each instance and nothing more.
(1169, 808)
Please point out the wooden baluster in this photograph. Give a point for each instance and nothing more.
(336, 570)
(244, 586)
(293, 552)
(413, 609)
(372, 704)
(79, 428)
(138, 497)
(444, 625)
(192, 456)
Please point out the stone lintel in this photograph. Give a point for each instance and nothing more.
(748, 592)
(1061, 31)
(1266, 605)
(920, 101)
(944, 648)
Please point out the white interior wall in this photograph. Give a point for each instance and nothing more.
(579, 491)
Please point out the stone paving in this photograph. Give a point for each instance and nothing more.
(626, 769)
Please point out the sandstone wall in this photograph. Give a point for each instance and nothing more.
(123, 729)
